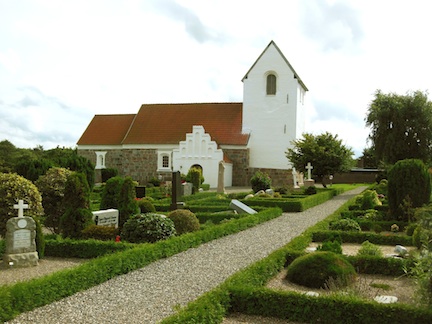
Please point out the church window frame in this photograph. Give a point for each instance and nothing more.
(271, 84)
(164, 161)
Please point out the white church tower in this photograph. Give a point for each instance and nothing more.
(273, 108)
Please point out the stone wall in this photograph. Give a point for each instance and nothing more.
(240, 161)
(279, 177)
(141, 165)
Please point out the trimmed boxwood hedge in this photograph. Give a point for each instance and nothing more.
(360, 237)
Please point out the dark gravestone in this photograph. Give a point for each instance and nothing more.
(176, 191)
(140, 191)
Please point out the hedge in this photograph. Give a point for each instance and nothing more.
(25, 296)
(360, 237)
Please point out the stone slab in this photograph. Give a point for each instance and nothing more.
(241, 208)
(107, 217)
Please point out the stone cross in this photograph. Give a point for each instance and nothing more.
(294, 174)
(309, 168)
(21, 206)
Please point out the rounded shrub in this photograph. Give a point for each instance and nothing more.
(146, 206)
(311, 190)
(346, 224)
(260, 181)
(127, 204)
(314, 270)
(111, 192)
(148, 228)
(184, 221)
(369, 249)
(12, 188)
(108, 173)
(369, 199)
(408, 179)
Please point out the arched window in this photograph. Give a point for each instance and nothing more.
(271, 84)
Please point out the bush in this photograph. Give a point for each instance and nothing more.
(145, 206)
(368, 200)
(368, 248)
(314, 270)
(52, 187)
(12, 188)
(149, 228)
(409, 229)
(310, 190)
(408, 178)
(77, 202)
(195, 177)
(127, 204)
(345, 224)
(108, 173)
(111, 192)
(184, 221)
(260, 181)
(40, 239)
(103, 233)
(331, 246)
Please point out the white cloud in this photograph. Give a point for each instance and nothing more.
(63, 62)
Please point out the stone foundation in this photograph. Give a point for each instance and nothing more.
(20, 260)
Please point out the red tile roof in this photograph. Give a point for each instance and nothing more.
(169, 123)
(106, 130)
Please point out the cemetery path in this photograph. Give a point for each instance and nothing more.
(152, 293)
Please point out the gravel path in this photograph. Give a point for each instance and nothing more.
(152, 293)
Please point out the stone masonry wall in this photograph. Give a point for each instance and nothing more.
(240, 161)
(279, 177)
(141, 165)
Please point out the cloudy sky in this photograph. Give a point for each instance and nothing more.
(63, 61)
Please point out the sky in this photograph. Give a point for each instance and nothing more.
(63, 61)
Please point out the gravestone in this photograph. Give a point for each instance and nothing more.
(309, 182)
(187, 188)
(241, 208)
(20, 240)
(221, 178)
(176, 191)
(107, 217)
(294, 174)
(386, 299)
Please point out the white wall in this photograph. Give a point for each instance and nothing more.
(273, 120)
(198, 148)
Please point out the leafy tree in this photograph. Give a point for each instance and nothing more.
(401, 126)
(325, 152)
(52, 187)
(77, 201)
(369, 158)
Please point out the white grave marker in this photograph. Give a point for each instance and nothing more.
(21, 206)
(309, 168)
(294, 174)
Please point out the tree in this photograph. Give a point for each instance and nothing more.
(401, 126)
(77, 215)
(325, 152)
(52, 187)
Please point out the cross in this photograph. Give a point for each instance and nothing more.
(309, 167)
(21, 206)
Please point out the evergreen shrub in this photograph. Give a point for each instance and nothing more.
(52, 187)
(311, 190)
(127, 204)
(147, 228)
(145, 206)
(368, 248)
(260, 181)
(12, 188)
(111, 192)
(345, 224)
(108, 173)
(408, 179)
(184, 221)
(332, 246)
(103, 233)
(77, 202)
(314, 270)
(195, 177)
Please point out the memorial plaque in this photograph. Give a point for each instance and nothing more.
(21, 239)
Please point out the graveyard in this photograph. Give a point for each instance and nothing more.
(173, 217)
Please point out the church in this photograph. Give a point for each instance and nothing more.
(245, 136)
